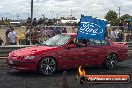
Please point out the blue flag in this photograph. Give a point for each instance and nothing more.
(91, 28)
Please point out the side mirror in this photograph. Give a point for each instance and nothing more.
(72, 46)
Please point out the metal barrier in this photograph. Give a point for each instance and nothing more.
(127, 32)
(4, 50)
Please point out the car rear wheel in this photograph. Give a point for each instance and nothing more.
(111, 60)
(47, 66)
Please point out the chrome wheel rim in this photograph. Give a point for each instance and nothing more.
(48, 66)
(111, 60)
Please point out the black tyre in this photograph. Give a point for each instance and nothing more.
(111, 60)
(47, 66)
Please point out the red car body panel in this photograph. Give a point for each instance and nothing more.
(65, 57)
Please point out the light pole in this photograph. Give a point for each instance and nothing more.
(31, 9)
(52, 14)
(17, 17)
(119, 11)
(71, 13)
(57, 15)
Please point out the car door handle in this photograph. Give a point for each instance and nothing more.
(84, 50)
(105, 49)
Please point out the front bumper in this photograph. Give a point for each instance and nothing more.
(22, 65)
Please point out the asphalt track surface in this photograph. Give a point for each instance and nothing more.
(10, 79)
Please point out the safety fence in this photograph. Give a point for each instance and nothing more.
(45, 32)
(125, 31)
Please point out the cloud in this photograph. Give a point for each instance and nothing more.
(95, 8)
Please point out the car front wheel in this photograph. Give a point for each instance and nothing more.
(111, 61)
(47, 66)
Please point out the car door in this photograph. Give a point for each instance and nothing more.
(73, 57)
(96, 52)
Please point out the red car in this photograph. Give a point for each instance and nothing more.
(65, 51)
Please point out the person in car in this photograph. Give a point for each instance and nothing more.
(81, 43)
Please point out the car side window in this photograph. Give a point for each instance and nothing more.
(96, 42)
(105, 42)
(79, 42)
(89, 42)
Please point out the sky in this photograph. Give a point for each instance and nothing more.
(20, 9)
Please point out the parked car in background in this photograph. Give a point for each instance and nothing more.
(65, 51)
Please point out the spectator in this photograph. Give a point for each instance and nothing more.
(73, 30)
(120, 36)
(1, 41)
(48, 32)
(40, 21)
(28, 23)
(34, 23)
(28, 35)
(35, 37)
(64, 30)
(113, 35)
(58, 30)
(130, 37)
(45, 33)
(50, 22)
(6, 34)
(12, 37)
(54, 31)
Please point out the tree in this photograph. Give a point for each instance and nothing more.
(112, 18)
(125, 17)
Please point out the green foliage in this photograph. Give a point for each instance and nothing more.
(112, 18)
(111, 15)
(125, 17)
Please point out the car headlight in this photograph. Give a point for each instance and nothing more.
(30, 57)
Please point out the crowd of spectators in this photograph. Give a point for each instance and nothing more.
(39, 31)
(37, 35)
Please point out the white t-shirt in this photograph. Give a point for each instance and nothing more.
(113, 34)
(12, 37)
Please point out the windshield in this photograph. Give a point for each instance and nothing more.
(57, 40)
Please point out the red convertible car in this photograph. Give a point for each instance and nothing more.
(65, 51)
